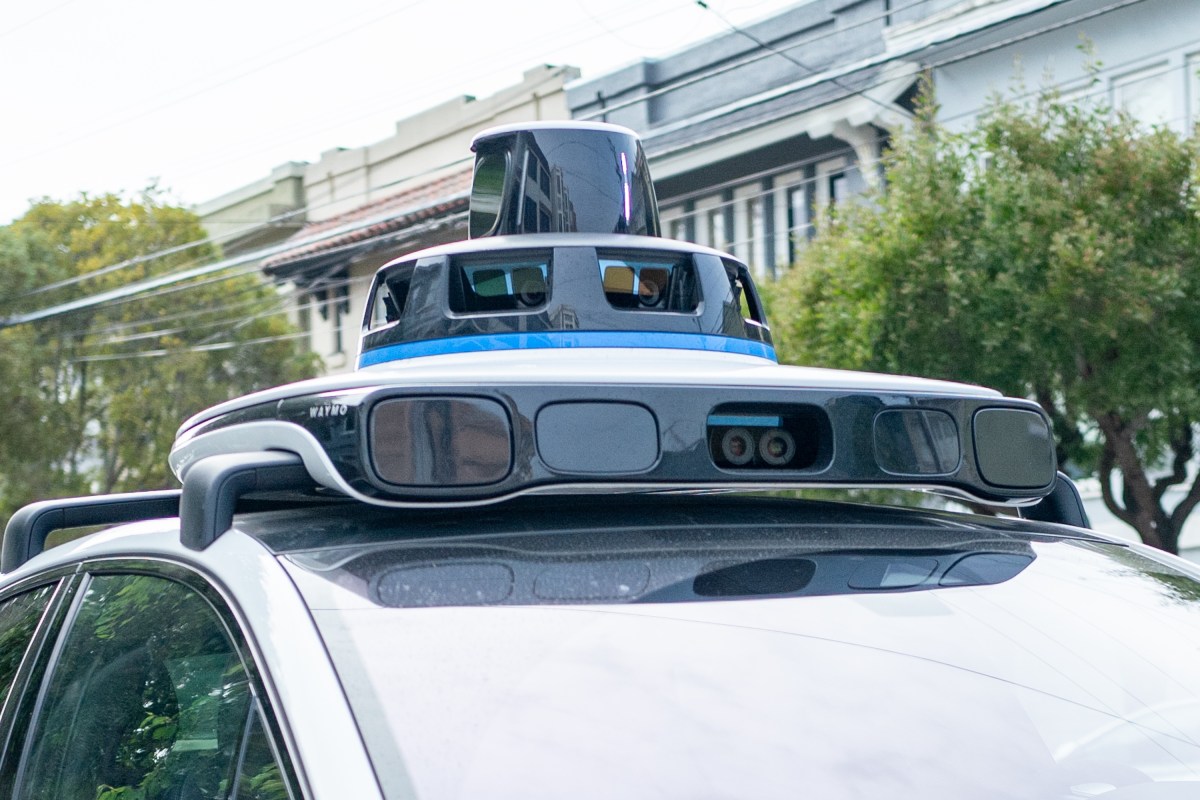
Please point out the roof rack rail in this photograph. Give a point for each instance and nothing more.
(214, 484)
(205, 505)
(25, 535)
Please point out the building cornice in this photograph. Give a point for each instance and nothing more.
(964, 18)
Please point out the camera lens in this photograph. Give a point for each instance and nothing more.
(776, 447)
(650, 293)
(531, 293)
(737, 446)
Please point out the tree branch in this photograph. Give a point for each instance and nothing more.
(1118, 436)
(1181, 448)
(1107, 465)
(1188, 504)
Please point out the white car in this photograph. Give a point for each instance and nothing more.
(526, 554)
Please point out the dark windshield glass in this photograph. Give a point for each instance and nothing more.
(991, 666)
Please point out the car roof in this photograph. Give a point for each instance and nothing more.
(339, 523)
(565, 516)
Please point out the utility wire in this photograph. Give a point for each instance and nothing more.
(208, 348)
(142, 113)
(253, 270)
(668, 218)
(703, 75)
(334, 285)
(437, 88)
(224, 326)
(782, 54)
(400, 234)
(251, 226)
(187, 274)
(301, 210)
(876, 60)
(22, 25)
(129, 262)
(142, 259)
(462, 68)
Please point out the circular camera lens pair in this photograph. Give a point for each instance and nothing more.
(775, 446)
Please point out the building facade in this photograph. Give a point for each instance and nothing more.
(753, 134)
(362, 206)
(750, 134)
(259, 214)
(1142, 56)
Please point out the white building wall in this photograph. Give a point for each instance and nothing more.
(428, 144)
(1148, 54)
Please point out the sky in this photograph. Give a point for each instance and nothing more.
(200, 99)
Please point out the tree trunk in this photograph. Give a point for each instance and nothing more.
(1141, 507)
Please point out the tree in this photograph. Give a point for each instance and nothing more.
(95, 396)
(1053, 252)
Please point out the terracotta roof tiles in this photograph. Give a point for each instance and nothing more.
(439, 197)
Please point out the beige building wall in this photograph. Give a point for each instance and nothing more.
(428, 144)
(258, 214)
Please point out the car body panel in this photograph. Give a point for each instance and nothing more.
(304, 690)
(952, 692)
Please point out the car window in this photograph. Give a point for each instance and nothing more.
(18, 620)
(259, 775)
(148, 698)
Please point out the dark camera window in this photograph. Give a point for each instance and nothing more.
(518, 284)
(391, 295)
(645, 284)
(914, 441)
(487, 192)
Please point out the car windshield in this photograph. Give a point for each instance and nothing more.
(728, 651)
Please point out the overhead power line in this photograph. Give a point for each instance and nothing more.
(289, 296)
(225, 264)
(150, 284)
(870, 62)
(143, 112)
(35, 18)
(787, 56)
(713, 72)
(142, 259)
(303, 209)
(206, 348)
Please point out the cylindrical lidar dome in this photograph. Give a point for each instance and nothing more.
(561, 177)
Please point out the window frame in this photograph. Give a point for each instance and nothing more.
(51, 638)
(26, 687)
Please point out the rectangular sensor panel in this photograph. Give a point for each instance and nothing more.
(916, 441)
(597, 438)
(440, 441)
(1014, 448)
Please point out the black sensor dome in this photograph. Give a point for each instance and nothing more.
(561, 177)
